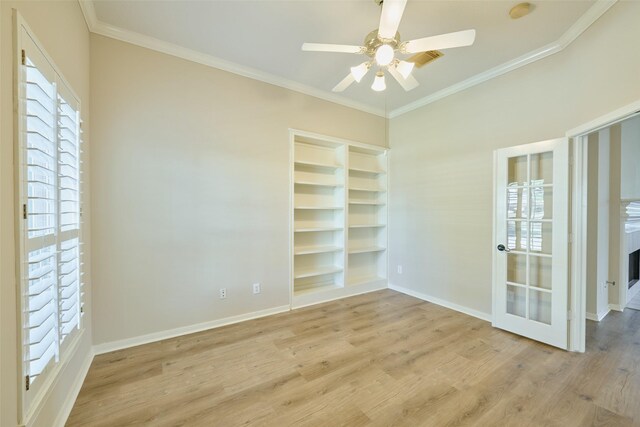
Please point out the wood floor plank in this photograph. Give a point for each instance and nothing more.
(378, 359)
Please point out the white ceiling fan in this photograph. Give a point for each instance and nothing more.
(382, 45)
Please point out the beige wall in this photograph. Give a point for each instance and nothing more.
(615, 145)
(593, 195)
(604, 202)
(630, 163)
(61, 28)
(598, 205)
(442, 154)
(190, 169)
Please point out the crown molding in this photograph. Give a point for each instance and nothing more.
(89, 12)
(589, 17)
(599, 8)
(98, 27)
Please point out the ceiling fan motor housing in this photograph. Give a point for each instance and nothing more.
(372, 42)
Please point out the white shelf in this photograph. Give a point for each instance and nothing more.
(318, 184)
(317, 164)
(367, 225)
(371, 190)
(314, 287)
(372, 171)
(320, 208)
(312, 229)
(306, 250)
(359, 280)
(367, 250)
(366, 202)
(318, 271)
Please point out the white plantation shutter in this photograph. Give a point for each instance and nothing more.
(50, 192)
(69, 285)
(40, 305)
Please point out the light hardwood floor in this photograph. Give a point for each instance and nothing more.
(378, 359)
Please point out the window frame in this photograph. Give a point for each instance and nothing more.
(31, 397)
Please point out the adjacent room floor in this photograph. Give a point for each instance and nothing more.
(634, 303)
(382, 358)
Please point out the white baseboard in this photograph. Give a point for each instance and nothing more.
(616, 307)
(462, 309)
(172, 333)
(321, 297)
(598, 317)
(199, 327)
(67, 406)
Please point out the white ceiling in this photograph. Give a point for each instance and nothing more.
(266, 35)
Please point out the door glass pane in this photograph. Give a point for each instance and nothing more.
(516, 301)
(542, 168)
(517, 235)
(529, 202)
(517, 202)
(541, 237)
(541, 202)
(517, 174)
(540, 271)
(540, 306)
(517, 268)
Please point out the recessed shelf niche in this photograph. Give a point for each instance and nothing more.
(339, 218)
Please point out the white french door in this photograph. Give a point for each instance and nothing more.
(531, 281)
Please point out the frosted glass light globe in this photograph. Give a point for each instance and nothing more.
(359, 71)
(405, 68)
(384, 55)
(378, 83)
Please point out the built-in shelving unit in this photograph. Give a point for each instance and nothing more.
(339, 217)
(367, 216)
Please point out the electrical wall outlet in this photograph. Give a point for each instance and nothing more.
(256, 288)
(399, 269)
(223, 293)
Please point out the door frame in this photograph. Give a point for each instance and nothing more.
(564, 154)
(578, 217)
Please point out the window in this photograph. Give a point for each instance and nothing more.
(49, 139)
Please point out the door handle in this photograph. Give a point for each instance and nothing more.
(503, 248)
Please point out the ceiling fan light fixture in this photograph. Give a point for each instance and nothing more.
(384, 55)
(380, 46)
(378, 83)
(405, 68)
(359, 71)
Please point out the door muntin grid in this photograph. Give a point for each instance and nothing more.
(529, 215)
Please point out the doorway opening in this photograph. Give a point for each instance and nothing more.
(605, 219)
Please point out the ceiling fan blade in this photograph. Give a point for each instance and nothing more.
(345, 83)
(324, 47)
(443, 41)
(407, 84)
(390, 18)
